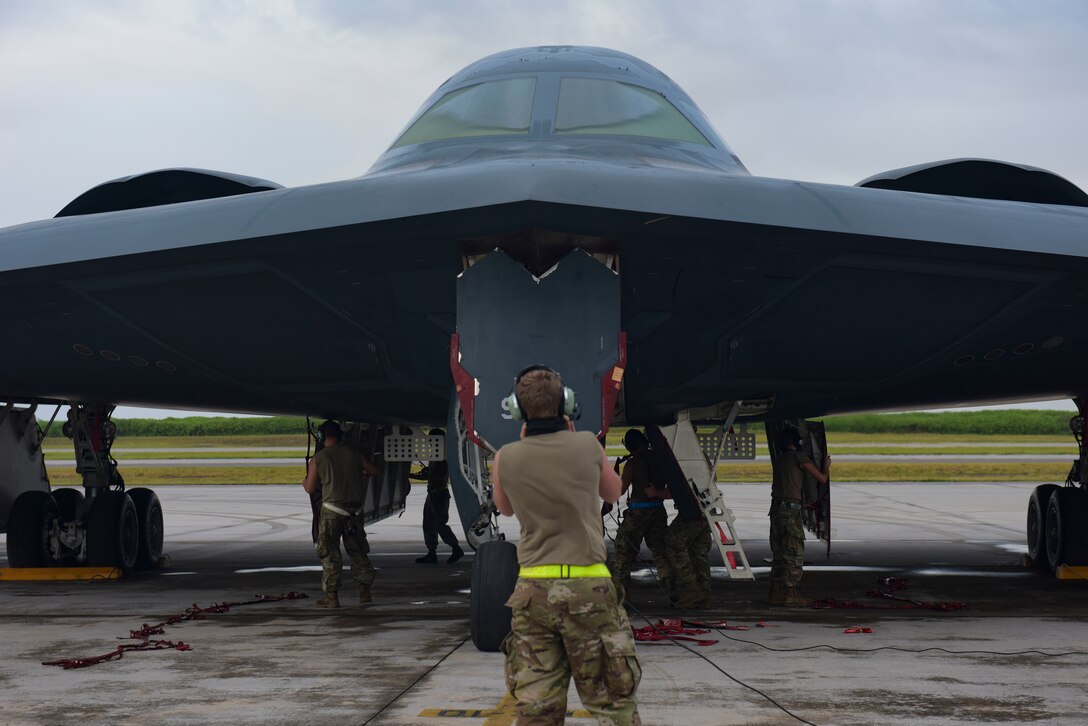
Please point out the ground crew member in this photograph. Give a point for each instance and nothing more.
(687, 546)
(787, 528)
(337, 472)
(645, 518)
(566, 615)
(436, 510)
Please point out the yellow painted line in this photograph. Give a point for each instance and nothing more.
(502, 715)
(25, 574)
(1072, 572)
(505, 713)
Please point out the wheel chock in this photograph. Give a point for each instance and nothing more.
(27, 574)
(1072, 572)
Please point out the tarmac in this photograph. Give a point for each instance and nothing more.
(1019, 648)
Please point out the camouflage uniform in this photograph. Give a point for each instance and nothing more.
(688, 548)
(565, 627)
(330, 526)
(638, 524)
(787, 546)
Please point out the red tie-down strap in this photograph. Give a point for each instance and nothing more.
(888, 586)
(670, 630)
(144, 634)
(677, 629)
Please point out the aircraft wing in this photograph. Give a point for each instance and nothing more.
(340, 297)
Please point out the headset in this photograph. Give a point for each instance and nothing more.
(791, 435)
(566, 401)
(329, 427)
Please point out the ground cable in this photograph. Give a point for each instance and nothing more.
(720, 669)
(413, 684)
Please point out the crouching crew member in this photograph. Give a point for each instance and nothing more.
(566, 617)
(337, 471)
(787, 524)
(687, 545)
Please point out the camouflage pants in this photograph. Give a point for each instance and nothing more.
(330, 528)
(787, 546)
(570, 627)
(688, 547)
(637, 525)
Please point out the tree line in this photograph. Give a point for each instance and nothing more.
(983, 423)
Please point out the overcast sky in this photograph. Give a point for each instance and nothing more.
(306, 92)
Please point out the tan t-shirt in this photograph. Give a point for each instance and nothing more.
(789, 477)
(552, 481)
(340, 471)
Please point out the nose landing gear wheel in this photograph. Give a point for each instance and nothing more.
(30, 526)
(494, 575)
(113, 531)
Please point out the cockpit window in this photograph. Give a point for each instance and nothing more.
(487, 109)
(592, 106)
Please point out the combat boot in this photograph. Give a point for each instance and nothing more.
(458, 553)
(428, 559)
(331, 600)
(794, 599)
(692, 597)
(777, 595)
(364, 594)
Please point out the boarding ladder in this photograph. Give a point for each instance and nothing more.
(700, 469)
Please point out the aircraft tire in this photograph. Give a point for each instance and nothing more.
(113, 531)
(68, 501)
(494, 574)
(1067, 528)
(29, 521)
(1038, 503)
(149, 516)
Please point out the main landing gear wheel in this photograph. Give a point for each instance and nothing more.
(149, 517)
(68, 501)
(1067, 528)
(113, 531)
(494, 574)
(30, 526)
(1037, 506)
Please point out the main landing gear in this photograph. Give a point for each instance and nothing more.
(1057, 524)
(104, 526)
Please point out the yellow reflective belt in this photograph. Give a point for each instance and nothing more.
(565, 571)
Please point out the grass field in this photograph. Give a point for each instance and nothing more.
(62, 473)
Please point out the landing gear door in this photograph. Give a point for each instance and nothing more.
(817, 496)
(508, 319)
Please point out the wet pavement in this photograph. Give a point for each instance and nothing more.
(406, 659)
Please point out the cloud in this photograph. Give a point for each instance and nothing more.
(307, 92)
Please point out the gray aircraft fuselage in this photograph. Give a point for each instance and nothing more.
(339, 299)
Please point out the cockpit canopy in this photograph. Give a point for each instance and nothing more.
(585, 106)
(563, 96)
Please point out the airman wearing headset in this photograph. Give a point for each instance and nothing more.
(566, 616)
(787, 524)
(337, 473)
